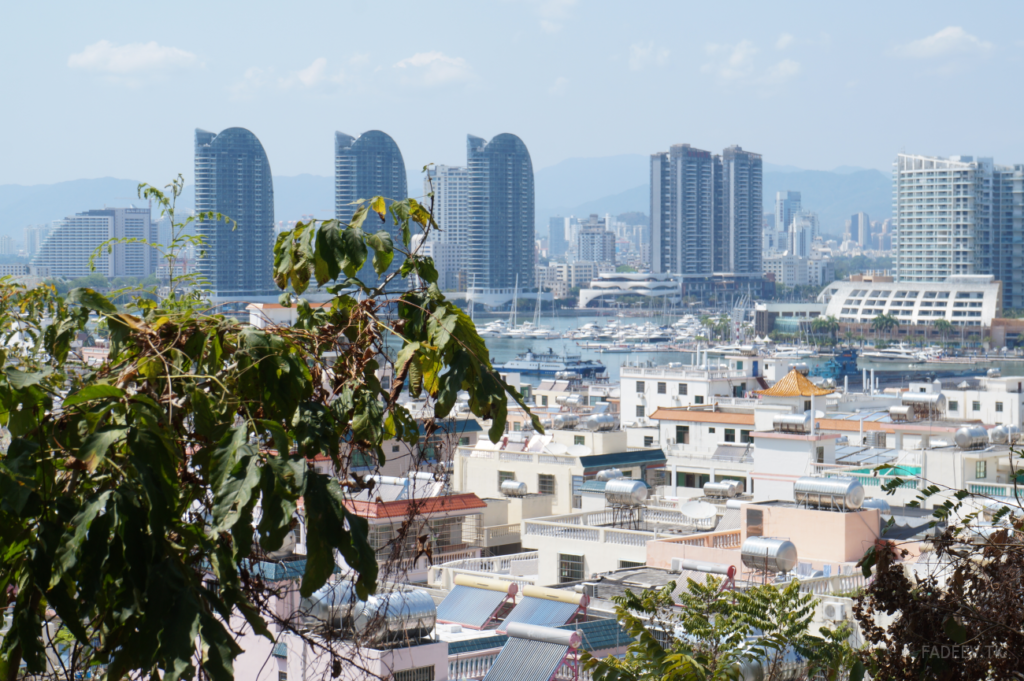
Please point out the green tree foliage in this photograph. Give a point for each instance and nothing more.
(183, 458)
(826, 326)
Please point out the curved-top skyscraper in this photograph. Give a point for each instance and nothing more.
(367, 166)
(501, 238)
(233, 178)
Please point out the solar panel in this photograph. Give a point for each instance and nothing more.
(541, 611)
(469, 606)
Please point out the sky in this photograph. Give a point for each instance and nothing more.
(117, 89)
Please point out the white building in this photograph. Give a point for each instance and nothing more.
(35, 235)
(69, 246)
(596, 244)
(450, 185)
(648, 284)
(965, 300)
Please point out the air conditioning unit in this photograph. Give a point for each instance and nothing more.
(640, 396)
(677, 565)
(834, 612)
(671, 440)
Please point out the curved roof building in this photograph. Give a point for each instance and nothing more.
(233, 178)
(367, 166)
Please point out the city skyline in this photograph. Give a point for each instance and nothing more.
(249, 78)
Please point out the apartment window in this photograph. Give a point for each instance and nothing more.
(418, 674)
(698, 399)
(711, 431)
(517, 426)
(683, 435)
(807, 405)
(975, 406)
(639, 386)
(543, 400)
(505, 475)
(394, 449)
(577, 491)
(464, 441)
(546, 484)
(755, 523)
(280, 650)
(282, 676)
(730, 435)
(739, 366)
(744, 436)
(579, 439)
(682, 388)
(648, 440)
(662, 388)
(980, 469)
(954, 405)
(821, 455)
(999, 406)
(640, 411)
(570, 568)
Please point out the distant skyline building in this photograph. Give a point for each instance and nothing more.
(960, 215)
(73, 240)
(450, 185)
(596, 243)
(233, 178)
(500, 250)
(787, 204)
(557, 243)
(367, 166)
(860, 229)
(35, 235)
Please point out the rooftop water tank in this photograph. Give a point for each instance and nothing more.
(600, 422)
(792, 423)
(565, 421)
(925, 401)
(625, 492)
(566, 375)
(881, 504)
(902, 413)
(998, 435)
(770, 555)
(725, 489)
(846, 494)
(513, 488)
(332, 606)
(971, 437)
(397, 615)
(574, 400)
(608, 474)
(1013, 434)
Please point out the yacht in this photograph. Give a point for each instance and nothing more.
(550, 363)
(898, 355)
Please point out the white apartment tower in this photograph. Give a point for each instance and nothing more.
(73, 241)
(450, 185)
(960, 215)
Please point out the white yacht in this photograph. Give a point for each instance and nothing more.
(898, 355)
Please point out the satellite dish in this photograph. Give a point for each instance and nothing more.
(818, 414)
(555, 448)
(698, 510)
(578, 450)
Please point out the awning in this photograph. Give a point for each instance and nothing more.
(639, 457)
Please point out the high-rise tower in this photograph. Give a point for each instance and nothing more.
(367, 166)
(738, 229)
(682, 211)
(233, 178)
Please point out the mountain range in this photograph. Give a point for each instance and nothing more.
(576, 186)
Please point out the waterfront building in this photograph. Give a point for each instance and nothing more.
(610, 284)
(366, 166)
(233, 178)
(74, 240)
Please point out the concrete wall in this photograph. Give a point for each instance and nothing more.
(480, 476)
(821, 537)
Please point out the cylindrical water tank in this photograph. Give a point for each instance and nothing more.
(843, 493)
(998, 435)
(566, 375)
(332, 606)
(771, 555)
(574, 400)
(734, 503)
(625, 492)
(902, 413)
(881, 504)
(565, 421)
(971, 437)
(561, 399)
(792, 423)
(1013, 434)
(704, 566)
(513, 488)
(461, 407)
(600, 422)
(925, 401)
(725, 489)
(608, 474)
(536, 632)
(397, 615)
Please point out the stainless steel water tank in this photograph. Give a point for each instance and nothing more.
(902, 413)
(600, 422)
(792, 423)
(566, 375)
(565, 421)
(998, 435)
(608, 474)
(513, 488)
(397, 615)
(843, 493)
(881, 504)
(771, 555)
(331, 606)
(625, 492)
(1012, 434)
(971, 437)
(725, 489)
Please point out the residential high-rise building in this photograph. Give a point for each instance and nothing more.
(233, 178)
(557, 244)
(738, 231)
(500, 248)
(450, 185)
(35, 235)
(74, 240)
(860, 229)
(787, 205)
(367, 166)
(959, 215)
(595, 243)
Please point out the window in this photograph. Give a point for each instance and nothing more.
(683, 435)
(630, 564)
(417, 674)
(282, 676)
(517, 426)
(640, 411)
(464, 441)
(682, 388)
(755, 523)
(639, 386)
(662, 388)
(577, 491)
(505, 475)
(280, 650)
(698, 399)
(975, 406)
(980, 469)
(744, 436)
(648, 441)
(543, 400)
(730, 435)
(807, 405)
(579, 439)
(394, 449)
(570, 568)
(546, 484)
(628, 473)
(711, 430)
(821, 455)
(999, 406)
(739, 366)
(954, 405)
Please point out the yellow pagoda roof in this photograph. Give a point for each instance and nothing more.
(794, 384)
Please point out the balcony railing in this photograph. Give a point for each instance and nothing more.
(497, 567)
(496, 535)
(681, 372)
(995, 489)
(727, 539)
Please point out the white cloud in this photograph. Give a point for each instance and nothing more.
(315, 75)
(784, 41)
(951, 40)
(132, 58)
(435, 68)
(558, 87)
(553, 14)
(782, 72)
(642, 55)
(736, 65)
(738, 61)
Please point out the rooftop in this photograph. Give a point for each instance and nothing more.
(794, 384)
(402, 508)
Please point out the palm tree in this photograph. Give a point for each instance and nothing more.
(879, 324)
(943, 326)
(826, 325)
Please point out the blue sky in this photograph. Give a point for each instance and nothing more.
(116, 89)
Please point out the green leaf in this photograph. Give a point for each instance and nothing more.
(23, 379)
(353, 251)
(954, 630)
(330, 526)
(92, 300)
(329, 254)
(236, 491)
(383, 250)
(94, 448)
(97, 391)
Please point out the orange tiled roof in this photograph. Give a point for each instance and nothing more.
(794, 384)
(400, 508)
